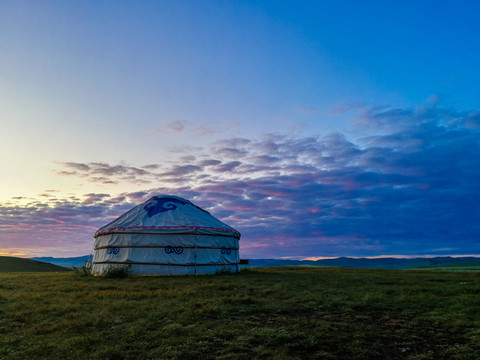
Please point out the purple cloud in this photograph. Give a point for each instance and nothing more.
(176, 126)
(210, 162)
(104, 173)
(408, 185)
(229, 166)
(180, 126)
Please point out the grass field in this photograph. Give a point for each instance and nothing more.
(261, 313)
(457, 266)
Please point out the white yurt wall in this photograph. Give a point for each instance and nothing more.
(167, 235)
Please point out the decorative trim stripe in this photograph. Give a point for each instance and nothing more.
(165, 264)
(195, 228)
(161, 247)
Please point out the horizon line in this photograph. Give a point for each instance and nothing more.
(301, 258)
(317, 258)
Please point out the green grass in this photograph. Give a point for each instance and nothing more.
(473, 265)
(15, 264)
(261, 313)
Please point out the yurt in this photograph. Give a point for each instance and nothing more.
(166, 235)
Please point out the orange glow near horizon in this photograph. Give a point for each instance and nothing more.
(13, 252)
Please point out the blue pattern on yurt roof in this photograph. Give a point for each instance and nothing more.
(161, 205)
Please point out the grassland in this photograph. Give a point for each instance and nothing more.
(457, 266)
(261, 313)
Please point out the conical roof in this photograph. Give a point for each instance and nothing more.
(167, 214)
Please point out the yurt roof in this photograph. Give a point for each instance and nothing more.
(168, 214)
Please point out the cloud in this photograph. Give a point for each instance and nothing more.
(182, 170)
(94, 198)
(61, 227)
(151, 167)
(176, 126)
(182, 126)
(231, 152)
(104, 173)
(408, 185)
(229, 166)
(77, 166)
(210, 162)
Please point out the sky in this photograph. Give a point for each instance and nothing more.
(314, 128)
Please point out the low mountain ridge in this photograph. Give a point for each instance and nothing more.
(365, 263)
(16, 264)
(345, 262)
(70, 262)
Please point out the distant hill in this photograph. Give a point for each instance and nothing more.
(65, 262)
(15, 264)
(436, 263)
(380, 263)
